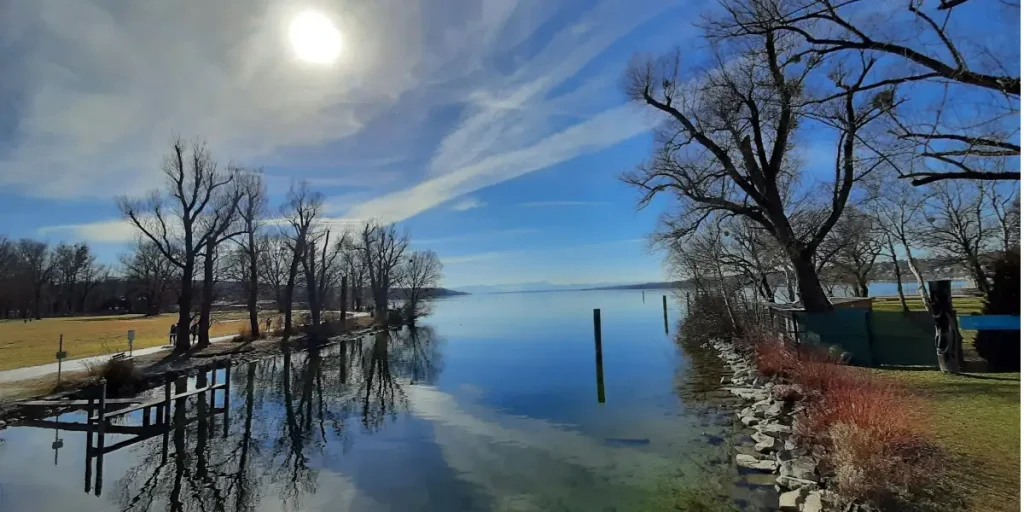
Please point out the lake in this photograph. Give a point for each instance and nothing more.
(491, 404)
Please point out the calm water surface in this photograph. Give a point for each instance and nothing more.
(490, 405)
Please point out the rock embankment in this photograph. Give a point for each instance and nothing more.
(769, 415)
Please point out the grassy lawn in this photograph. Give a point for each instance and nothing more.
(28, 344)
(976, 418)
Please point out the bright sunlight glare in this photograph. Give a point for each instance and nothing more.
(314, 38)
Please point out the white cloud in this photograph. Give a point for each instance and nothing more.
(107, 231)
(100, 88)
(605, 129)
(468, 204)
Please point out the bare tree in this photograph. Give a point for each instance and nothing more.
(858, 246)
(420, 276)
(355, 270)
(37, 266)
(251, 210)
(727, 145)
(964, 122)
(319, 266)
(960, 227)
(148, 271)
(383, 248)
(274, 257)
(171, 222)
(301, 209)
(898, 212)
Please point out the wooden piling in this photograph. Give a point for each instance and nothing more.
(227, 395)
(598, 356)
(88, 446)
(100, 436)
(664, 311)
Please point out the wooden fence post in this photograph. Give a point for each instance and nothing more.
(599, 356)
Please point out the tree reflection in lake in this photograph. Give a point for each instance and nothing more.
(291, 409)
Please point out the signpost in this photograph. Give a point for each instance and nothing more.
(61, 355)
(131, 340)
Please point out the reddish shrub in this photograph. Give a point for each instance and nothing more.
(774, 358)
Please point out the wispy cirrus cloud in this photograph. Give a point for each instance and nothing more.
(433, 100)
(468, 203)
(109, 231)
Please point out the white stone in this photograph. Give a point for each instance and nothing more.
(790, 501)
(812, 503)
(801, 468)
(751, 462)
(774, 429)
(749, 421)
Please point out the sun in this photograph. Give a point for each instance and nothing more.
(314, 38)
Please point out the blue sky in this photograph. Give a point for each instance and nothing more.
(494, 131)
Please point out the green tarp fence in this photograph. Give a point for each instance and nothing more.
(872, 338)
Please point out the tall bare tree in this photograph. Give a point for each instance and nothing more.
(216, 227)
(320, 268)
(420, 276)
(171, 220)
(857, 244)
(726, 147)
(37, 266)
(274, 258)
(148, 271)
(963, 76)
(960, 227)
(302, 209)
(383, 249)
(898, 212)
(251, 209)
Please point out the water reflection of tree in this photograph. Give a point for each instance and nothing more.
(289, 410)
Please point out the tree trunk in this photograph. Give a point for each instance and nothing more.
(380, 303)
(899, 277)
(206, 302)
(790, 290)
(182, 342)
(254, 283)
(343, 300)
(862, 287)
(948, 341)
(811, 294)
(289, 291)
(312, 290)
(914, 269)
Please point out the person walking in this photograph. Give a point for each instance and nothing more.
(172, 334)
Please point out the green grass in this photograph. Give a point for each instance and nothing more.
(962, 305)
(29, 344)
(976, 419)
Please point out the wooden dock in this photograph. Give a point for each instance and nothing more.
(160, 416)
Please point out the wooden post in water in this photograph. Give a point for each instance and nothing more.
(88, 445)
(643, 296)
(664, 311)
(599, 356)
(100, 434)
(227, 395)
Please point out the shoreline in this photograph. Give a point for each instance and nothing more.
(769, 421)
(156, 368)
